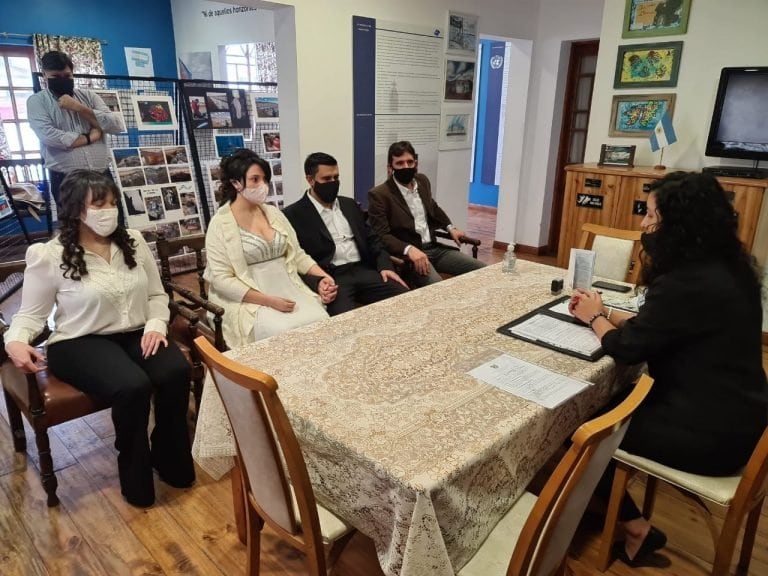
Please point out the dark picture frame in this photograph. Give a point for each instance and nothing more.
(617, 155)
(647, 18)
(651, 65)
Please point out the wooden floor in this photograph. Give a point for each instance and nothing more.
(95, 532)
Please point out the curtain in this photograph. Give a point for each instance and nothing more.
(264, 56)
(5, 150)
(84, 52)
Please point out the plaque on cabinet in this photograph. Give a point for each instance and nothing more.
(589, 201)
(592, 182)
(639, 208)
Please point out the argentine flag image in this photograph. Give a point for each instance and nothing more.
(664, 133)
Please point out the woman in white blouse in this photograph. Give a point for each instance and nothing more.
(254, 259)
(109, 338)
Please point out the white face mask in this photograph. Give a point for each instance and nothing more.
(103, 222)
(256, 195)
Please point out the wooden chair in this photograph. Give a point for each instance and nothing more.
(474, 242)
(189, 310)
(618, 251)
(741, 495)
(274, 475)
(43, 399)
(541, 529)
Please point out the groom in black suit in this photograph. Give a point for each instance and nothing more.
(333, 231)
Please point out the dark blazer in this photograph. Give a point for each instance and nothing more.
(392, 220)
(316, 241)
(700, 332)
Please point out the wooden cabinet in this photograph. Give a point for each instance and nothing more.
(616, 196)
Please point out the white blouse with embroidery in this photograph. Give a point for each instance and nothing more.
(111, 298)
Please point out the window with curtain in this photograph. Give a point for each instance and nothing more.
(253, 62)
(16, 66)
(84, 52)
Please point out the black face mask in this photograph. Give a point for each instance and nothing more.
(327, 191)
(61, 86)
(404, 175)
(649, 241)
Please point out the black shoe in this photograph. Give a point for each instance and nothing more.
(654, 540)
(139, 500)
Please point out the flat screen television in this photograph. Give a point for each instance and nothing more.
(739, 127)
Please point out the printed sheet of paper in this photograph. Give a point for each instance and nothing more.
(581, 268)
(560, 333)
(544, 387)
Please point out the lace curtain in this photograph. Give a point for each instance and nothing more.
(264, 56)
(84, 52)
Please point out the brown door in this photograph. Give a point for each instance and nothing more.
(573, 135)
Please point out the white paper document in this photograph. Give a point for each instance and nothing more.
(526, 380)
(581, 268)
(560, 333)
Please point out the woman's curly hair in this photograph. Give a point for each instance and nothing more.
(74, 199)
(697, 223)
(235, 167)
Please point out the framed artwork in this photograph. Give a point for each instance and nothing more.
(459, 79)
(617, 155)
(154, 112)
(271, 139)
(636, 115)
(462, 33)
(112, 99)
(455, 127)
(228, 143)
(646, 18)
(265, 107)
(654, 65)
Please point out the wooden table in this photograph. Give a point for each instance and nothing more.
(398, 439)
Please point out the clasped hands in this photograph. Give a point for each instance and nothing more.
(584, 305)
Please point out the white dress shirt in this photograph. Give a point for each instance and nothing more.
(111, 298)
(416, 206)
(340, 231)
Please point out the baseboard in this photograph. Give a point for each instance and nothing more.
(522, 248)
(481, 208)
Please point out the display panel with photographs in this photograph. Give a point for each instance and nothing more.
(226, 144)
(157, 189)
(218, 107)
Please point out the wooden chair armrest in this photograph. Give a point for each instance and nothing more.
(464, 239)
(195, 299)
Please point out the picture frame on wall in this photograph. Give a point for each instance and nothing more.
(154, 112)
(455, 127)
(617, 155)
(459, 79)
(462, 33)
(650, 65)
(647, 18)
(265, 106)
(636, 115)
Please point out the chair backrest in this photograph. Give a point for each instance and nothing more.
(167, 247)
(268, 449)
(550, 527)
(618, 251)
(8, 268)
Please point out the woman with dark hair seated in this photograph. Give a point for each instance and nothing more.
(699, 330)
(254, 258)
(109, 334)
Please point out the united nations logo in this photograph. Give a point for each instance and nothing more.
(497, 61)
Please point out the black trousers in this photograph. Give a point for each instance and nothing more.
(55, 185)
(358, 284)
(112, 368)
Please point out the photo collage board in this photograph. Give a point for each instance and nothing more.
(158, 190)
(276, 196)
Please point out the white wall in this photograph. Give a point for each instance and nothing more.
(559, 23)
(719, 34)
(197, 33)
(323, 65)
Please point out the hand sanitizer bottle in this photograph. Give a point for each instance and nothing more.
(508, 264)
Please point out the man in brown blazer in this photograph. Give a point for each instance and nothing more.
(404, 215)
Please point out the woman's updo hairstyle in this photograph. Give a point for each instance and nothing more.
(235, 167)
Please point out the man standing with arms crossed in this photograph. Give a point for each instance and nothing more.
(70, 123)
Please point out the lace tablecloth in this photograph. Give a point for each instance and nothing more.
(398, 439)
